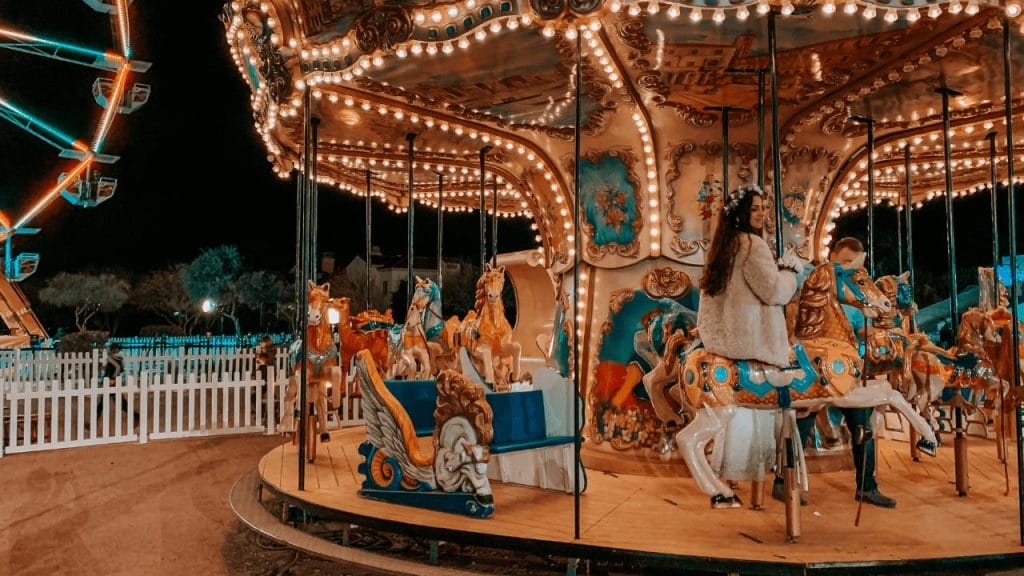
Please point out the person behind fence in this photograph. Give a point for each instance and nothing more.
(112, 370)
(266, 354)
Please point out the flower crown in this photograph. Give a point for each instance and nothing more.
(739, 194)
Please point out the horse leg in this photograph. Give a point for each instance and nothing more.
(516, 351)
(691, 441)
(880, 394)
(487, 361)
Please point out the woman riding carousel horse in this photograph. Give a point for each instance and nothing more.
(743, 291)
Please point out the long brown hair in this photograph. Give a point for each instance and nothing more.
(731, 225)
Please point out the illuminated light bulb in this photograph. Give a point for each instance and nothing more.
(695, 14)
(615, 6)
(378, 60)
(718, 16)
(972, 8)
(431, 49)
(463, 42)
(595, 25)
(1013, 9)
(828, 8)
(653, 8)
(891, 16)
(570, 33)
(742, 13)
(913, 15)
(634, 10)
(447, 48)
(673, 11)
(452, 12)
(850, 8)
(934, 11)
(417, 48)
(955, 7)
(763, 7)
(548, 31)
(420, 17)
(512, 23)
(869, 12)
(495, 27)
(480, 34)
(787, 8)
(435, 16)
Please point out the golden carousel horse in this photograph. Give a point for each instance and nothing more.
(487, 335)
(367, 330)
(829, 373)
(323, 370)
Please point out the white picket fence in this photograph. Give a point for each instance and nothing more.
(50, 402)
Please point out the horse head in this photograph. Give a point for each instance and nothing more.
(316, 305)
(855, 288)
(977, 330)
(491, 283)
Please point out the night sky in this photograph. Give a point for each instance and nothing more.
(191, 163)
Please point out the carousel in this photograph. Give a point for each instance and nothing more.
(596, 425)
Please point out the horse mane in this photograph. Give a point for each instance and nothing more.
(818, 297)
(458, 396)
(481, 293)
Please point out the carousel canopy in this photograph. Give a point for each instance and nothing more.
(494, 83)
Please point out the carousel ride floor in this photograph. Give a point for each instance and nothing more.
(664, 521)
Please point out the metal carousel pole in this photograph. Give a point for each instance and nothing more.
(483, 210)
(440, 229)
(305, 228)
(369, 236)
(789, 434)
(908, 216)
(576, 261)
(994, 200)
(960, 442)
(494, 221)
(1012, 238)
(410, 249)
(915, 453)
(870, 123)
(994, 209)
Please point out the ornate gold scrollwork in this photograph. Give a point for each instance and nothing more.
(665, 282)
(383, 28)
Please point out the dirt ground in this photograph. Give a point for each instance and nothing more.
(162, 508)
(132, 509)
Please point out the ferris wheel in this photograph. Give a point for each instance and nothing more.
(77, 131)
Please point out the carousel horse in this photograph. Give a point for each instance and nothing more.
(397, 469)
(487, 335)
(408, 356)
(323, 370)
(367, 330)
(425, 344)
(828, 373)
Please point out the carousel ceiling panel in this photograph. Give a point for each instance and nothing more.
(523, 78)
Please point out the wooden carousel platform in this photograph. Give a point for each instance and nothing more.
(667, 522)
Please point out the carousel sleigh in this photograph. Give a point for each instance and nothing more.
(451, 478)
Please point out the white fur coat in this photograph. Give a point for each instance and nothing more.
(746, 321)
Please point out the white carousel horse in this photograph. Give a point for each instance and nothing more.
(408, 355)
(829, 373)
(323, 370)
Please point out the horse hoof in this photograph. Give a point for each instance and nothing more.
(926, 446)
(325, 437)
(718, 501)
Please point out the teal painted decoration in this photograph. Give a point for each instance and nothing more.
(611, 207)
